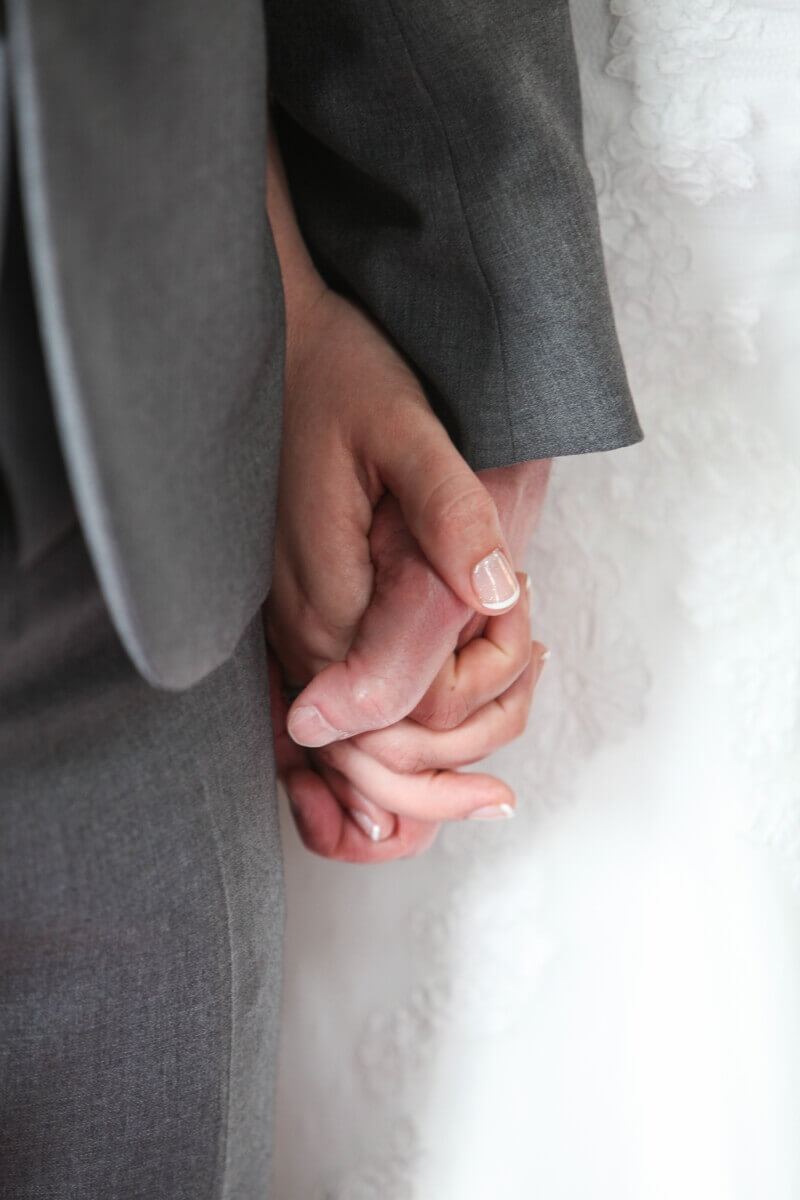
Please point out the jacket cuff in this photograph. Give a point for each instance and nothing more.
(434, 152)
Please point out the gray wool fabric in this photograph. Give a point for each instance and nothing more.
(141, 908)
(434, 149)
(141, 875)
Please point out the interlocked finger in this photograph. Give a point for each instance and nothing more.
(326, 829)
(409, 747)
(428, 795)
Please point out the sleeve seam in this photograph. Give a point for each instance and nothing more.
(472, 242)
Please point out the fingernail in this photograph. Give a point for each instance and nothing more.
(308, 727)
(541, 655)
(369, 827)
(495, 583)
(528, 588)
(490, 812)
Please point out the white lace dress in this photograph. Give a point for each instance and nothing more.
(601, 1001)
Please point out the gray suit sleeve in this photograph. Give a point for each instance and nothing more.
(434, 152)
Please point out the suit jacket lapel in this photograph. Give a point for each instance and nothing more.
(141, 128)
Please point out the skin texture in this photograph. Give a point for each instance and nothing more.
(380, 522)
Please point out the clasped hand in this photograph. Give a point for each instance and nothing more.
(394, 605)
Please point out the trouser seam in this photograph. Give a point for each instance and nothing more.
(221, 1172)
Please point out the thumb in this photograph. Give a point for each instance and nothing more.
(449, 512)
(406, 633)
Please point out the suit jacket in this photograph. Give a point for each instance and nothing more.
(434, 152)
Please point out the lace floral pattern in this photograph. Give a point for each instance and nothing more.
(687, 123)
(388, 1175)
(710, 499)
(707, 452)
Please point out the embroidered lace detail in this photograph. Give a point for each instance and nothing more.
(386, 1176)
(711, 483)
(687, 122)
(710, 499)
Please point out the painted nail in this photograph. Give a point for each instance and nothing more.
(490, 812)
(308, 727)
(369, 827)
(541, 655)
(495, 583)
(528, 588)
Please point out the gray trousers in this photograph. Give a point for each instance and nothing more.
(141, 909)
(141, 875)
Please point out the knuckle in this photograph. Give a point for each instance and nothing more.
(516, 712)
(459, 504)
(519, 724)
(387, 691)
(443, 710)
(403, 759)
(379, 699)
(521, 654)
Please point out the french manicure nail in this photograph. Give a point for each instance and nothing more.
(495, 583)
(543, 657)
(308, 727)
(490, 812)
(369, 827)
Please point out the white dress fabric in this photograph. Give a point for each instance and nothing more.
(600, 1000)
